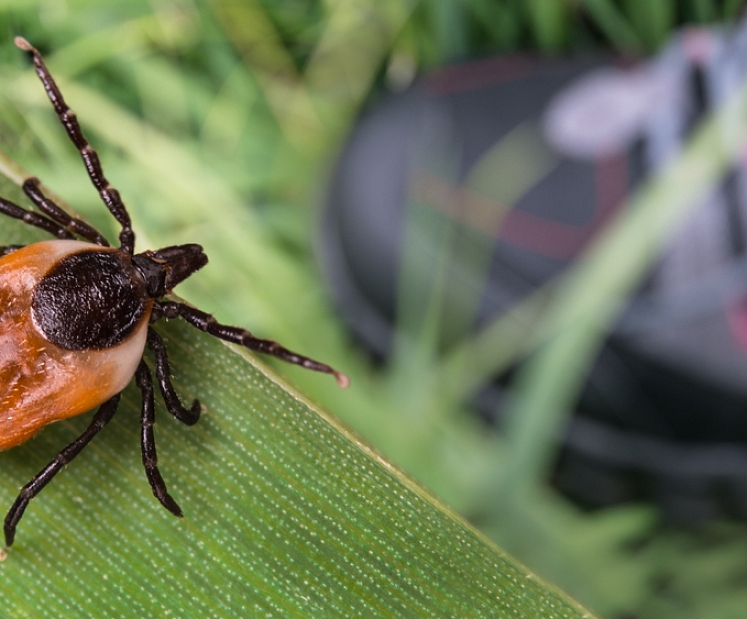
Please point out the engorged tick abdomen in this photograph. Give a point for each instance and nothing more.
(40, 381)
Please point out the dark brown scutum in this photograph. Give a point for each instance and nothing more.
(90, 300)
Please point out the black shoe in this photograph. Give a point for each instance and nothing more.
(664, 413)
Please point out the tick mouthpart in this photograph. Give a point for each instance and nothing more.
(165, 268)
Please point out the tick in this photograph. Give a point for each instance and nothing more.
(76, 316)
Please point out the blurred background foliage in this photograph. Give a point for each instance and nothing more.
(219, 121)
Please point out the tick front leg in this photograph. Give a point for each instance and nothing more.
(102, 417)
(205, 322)
(109, 195)
(144, 381)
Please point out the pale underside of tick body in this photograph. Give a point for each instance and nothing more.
(77, 314)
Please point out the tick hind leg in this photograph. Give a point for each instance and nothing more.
(144, 381)
(32, 188)
(9, 249)
(102, 417)
(109, 195)
(11, 209)
(189, 416)
(205, 322)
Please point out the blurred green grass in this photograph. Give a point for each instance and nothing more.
(218, 120)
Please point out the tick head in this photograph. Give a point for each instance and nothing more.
(165, 268)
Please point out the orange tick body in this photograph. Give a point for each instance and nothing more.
(76, 316)
(40, 381)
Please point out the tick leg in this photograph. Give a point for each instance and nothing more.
(174, 406)
(205, 322)
(9, 249)
(102, 417)
(144, 381)
(11, 209)
(109, 195)
(32, 188)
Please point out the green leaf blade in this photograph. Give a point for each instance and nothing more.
(286, 515)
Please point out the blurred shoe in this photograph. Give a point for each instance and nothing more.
(664, 414)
